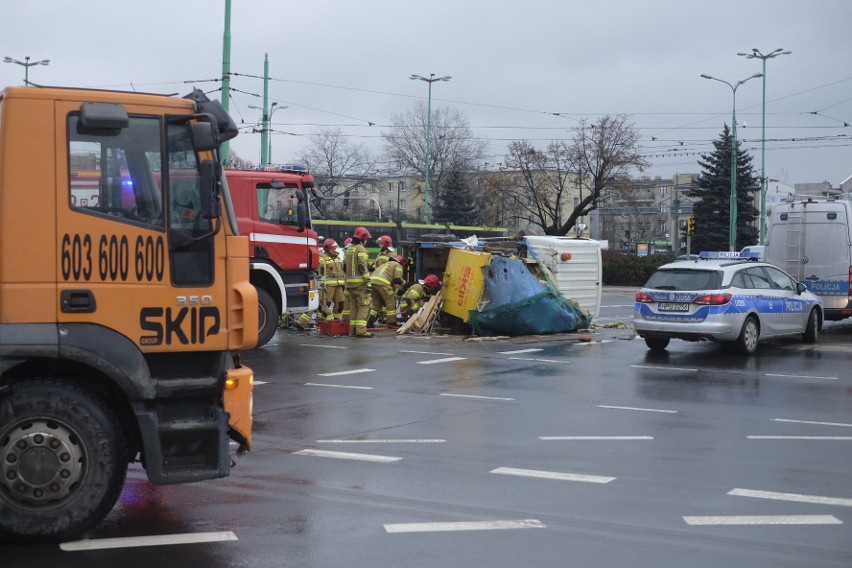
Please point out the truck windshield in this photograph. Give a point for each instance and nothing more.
(279, 205)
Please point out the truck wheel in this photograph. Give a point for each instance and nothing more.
(812, 328)
(267, 317)
(657, 342)
(747, 341)
(63, 461)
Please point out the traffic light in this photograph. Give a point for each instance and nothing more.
(690, 226)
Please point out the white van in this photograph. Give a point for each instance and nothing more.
(576, 267)
(812, 240)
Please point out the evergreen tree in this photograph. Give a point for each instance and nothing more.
(456, 202)
(713, 194)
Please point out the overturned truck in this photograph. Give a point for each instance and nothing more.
(540, 285)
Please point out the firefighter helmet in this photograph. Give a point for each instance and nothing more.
(329, 245)
(361, 233)
(347, 242)
(402, 260)
(432, 282)
(385, 241)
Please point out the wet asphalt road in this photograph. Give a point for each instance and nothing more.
(574, 450)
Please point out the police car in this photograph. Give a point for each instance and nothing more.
(724, 296)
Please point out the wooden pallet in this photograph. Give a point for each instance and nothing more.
(422, 321)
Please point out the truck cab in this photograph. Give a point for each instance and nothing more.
(124, 293)
(272, 209)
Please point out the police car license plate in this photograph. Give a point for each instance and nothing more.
(673, 306)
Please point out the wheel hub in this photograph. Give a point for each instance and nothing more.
(42, 462)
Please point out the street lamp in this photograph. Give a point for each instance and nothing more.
(26, 64)
(732, 238)
(430, 80)
(756, 54)
(269, 136)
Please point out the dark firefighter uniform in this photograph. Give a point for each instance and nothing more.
(385, 281)
(356, 264)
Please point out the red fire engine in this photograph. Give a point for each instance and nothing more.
(272, 209)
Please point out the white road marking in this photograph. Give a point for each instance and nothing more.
(533, 359)
(447, 360)
(337, 386)
(463, 526)
(322, 346)
(386, 441)
(594, 438)
(766, 520)
(552, 475)
(260, 383)
(660, 368)
(798, 498)
(477, 396)
(836, 438)
(601, 342)
(349, 372)
(425, 352)
(139, 541)
(800, 376)
(811, 422)
(638, 409)
(347, 456)
(517, 351)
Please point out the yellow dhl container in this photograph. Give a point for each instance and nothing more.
(464, 283)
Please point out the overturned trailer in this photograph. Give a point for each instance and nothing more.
(515, 288)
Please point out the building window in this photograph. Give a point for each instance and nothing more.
(390, 187)
(401, 186)
(403, 205)
(390, 204)
(664, 189)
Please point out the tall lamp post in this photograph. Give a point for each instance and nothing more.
(732, 237)
(26, 64)
(756, 54)
(430, 80)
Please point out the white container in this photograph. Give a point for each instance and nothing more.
(576, 267)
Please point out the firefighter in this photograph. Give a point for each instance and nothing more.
(344, 315)
(387, 252)
(415, 296)
(331, 272)
(356, 266)
(385, 281)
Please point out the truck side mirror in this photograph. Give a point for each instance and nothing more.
(204, 136)
(301, 210)
(211, 177)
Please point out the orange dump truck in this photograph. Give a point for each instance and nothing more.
(123, 298)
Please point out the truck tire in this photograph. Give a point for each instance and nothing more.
(63, 461)
(267, 317)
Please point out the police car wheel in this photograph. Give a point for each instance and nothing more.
(657, 342)
(812, 328)
(747, 341)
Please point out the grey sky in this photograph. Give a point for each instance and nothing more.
(345, 63)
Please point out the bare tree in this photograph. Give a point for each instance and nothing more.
(544, 182)
(584, 169)
(453, 146)
(342, 171)
(601, 153)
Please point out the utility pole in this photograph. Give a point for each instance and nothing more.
(226, 75)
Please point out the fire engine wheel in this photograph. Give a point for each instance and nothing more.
(63, 461)
(267, 317)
